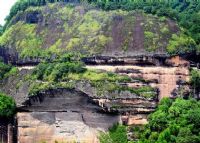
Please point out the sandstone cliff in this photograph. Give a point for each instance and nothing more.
(131, 44)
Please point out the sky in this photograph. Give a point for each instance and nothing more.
(5, 6)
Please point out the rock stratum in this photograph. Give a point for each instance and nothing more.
(79, 114)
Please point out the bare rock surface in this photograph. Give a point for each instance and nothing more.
(65, 116)
(50, 127)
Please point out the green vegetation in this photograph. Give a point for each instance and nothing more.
(7, 106)
(6, 70)
(66, 72)
(57, 71)
(151, 41)
(174, 121)
(86, 32)
(101, 86)
(74, 33)
(55, 48)
(116, 134)
(181, 44)
(195, 80)
(22, 5)
(96, 76)
(91, 32)
(165, 30)
(177, 10)
(23, 37)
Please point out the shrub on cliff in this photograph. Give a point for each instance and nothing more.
(195, 81)
(116, 134)
(173, 122)
(68, 70)
(180, 44)
(7, 105)
(56, 71)
(6, 70)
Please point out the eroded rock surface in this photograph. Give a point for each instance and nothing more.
(164, 78)
(55, 126)
(63, 116)
(79, 114)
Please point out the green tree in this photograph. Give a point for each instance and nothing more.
(7, 105)
(116, 134)
(6, 70)
(186, 136)
(195, 80)
(173, 122)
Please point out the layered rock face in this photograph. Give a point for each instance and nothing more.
(63, 116)
(79, 114)
(56, 126)
(165, 73)
(167, 78)
(164, 78)
(72, 115)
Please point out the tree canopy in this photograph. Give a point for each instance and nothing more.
(6, 70)
(174, 121)
(7, 105)
(116, 134)
(195, 80)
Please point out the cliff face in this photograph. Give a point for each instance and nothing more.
(126, 43)
(43, 32)
(62, 115)
(166, 79)
(79, 114)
